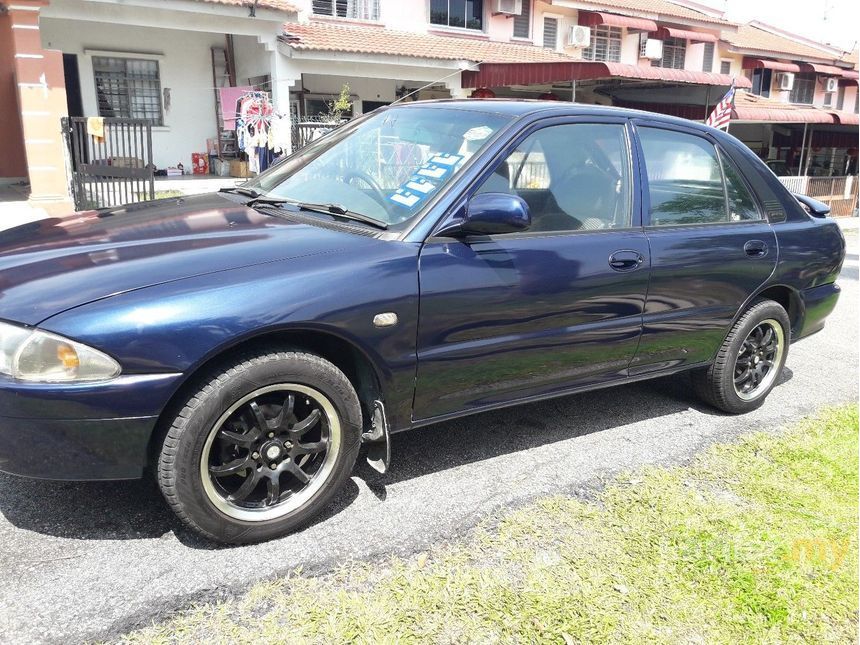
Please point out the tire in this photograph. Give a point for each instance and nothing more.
(265, 417)
(739, 359)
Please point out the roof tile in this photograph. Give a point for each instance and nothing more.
(277, 5)
(663, 9)
(366, 39)
(768, 43)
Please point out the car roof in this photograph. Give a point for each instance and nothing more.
(523, 107)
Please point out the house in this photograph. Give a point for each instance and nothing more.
(163, 60)
(150, 59)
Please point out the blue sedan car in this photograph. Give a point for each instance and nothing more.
(423, 262)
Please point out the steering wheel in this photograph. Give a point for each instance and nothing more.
(378, 195)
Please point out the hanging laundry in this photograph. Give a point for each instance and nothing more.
(230, 99)
(280, 134)
(260, 131)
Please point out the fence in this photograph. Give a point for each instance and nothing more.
(112, 169)
(840, 193)
(306, 131)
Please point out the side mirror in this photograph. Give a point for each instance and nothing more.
(490, 214)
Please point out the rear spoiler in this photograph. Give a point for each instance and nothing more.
(813, 206)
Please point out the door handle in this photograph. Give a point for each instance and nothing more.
(625, 260)
(755, 249)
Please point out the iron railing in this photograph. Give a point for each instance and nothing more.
(840, 193)
(113, 169)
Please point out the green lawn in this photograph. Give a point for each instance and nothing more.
(755, 541)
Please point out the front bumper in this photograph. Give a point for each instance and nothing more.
(81, 431)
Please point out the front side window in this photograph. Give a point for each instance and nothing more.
(387, 166)
(468, 14)
(803, 89)
(128, 88)
(674, 53)
(685, 181)
(357, 9)
(573, 177)
(605, 45)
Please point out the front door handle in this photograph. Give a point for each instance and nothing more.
(626, 260)
(755, 249)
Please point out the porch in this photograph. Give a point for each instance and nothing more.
(158, 63)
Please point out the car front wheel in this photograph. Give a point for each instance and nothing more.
(749, 361)
(260, 446)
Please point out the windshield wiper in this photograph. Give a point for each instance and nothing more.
(248, 192)
(336, 210)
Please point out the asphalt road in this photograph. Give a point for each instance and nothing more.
(82, 561)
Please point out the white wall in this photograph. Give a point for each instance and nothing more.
(185, 67)
(251, 59)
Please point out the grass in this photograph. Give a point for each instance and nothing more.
(167, 194)
(754, 541)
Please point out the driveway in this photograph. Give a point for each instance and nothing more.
(93, 560)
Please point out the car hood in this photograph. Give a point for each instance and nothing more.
(55, 264)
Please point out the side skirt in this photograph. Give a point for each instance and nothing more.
(544, 397)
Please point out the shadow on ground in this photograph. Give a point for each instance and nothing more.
(130, 510)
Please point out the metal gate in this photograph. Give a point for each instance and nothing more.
(113, 169)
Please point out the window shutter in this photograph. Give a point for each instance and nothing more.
(708, 58)
(550, 32)
(522, 22)
(322, 7)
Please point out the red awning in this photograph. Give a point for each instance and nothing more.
(846, 118)
(850, 74)
(781, 115)
(821, 69)
(756, 63)
(595, 18)
(506, 74)
(684, 34)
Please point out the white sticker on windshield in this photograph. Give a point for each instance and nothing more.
(433, 171)
(420, 185)
(405, 198)
(445, 159)
(478, 134)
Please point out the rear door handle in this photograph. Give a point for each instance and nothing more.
(625, 260)
(755, 249)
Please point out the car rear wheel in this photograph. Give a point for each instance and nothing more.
(749, 361)
(260, 446)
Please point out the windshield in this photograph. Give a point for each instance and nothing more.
(388, 166)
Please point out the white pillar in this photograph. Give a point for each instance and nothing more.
(283, 76)
(455, 86)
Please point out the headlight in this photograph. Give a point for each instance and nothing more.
(35, 355)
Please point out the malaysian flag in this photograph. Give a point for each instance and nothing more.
(722, 114)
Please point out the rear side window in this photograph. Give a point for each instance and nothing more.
(684, 178)
(690, 183)
(742, 206)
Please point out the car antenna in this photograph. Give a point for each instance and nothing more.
(424, 87)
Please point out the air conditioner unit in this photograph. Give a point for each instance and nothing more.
(509, 7)
(831, 84)
(654, 49)
(579, 36)
(786, 81)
